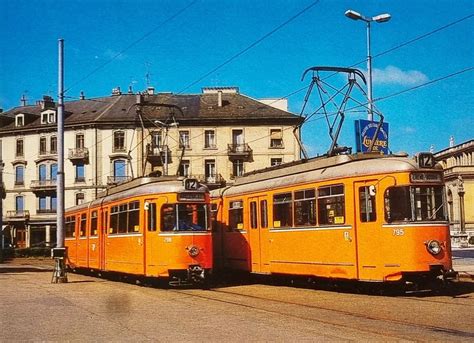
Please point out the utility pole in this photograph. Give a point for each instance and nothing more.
(60, 252)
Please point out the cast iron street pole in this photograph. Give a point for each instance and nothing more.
(60, 253)
(381, 18)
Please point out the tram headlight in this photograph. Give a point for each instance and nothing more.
(433, 247)
(193, 250)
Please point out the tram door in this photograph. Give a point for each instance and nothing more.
(258, 235)
(104, 224)
(367, 230)
(151, 237)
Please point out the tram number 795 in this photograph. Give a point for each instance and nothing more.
(398, 232)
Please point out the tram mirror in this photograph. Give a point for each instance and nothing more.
(146, 206)
(372, 190)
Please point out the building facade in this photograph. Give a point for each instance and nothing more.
(214, 136)
(458, 165)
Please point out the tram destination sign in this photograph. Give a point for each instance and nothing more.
(365, 130)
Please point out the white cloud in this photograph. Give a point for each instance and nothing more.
(112, 54)
(394, 75)
(408, 129)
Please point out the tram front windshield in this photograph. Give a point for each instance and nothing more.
(414, 203)
(184, 217)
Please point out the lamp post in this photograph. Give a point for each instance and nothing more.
(381, 18)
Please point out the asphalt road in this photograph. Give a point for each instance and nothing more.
(94, 309)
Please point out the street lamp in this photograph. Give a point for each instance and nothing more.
(381, 18)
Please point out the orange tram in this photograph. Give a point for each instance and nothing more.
(362, 217)
(150, 227)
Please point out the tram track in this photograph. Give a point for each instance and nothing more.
(378, 325)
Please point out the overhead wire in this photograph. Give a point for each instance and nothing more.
(252, 45)
(273, 31)
(134, 43)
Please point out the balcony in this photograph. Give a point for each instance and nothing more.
(43, 153)
(115, 180)
(18, 216)
(43, 185)
(157, 154)
(79, 155)
(239, 151)
(46, 211)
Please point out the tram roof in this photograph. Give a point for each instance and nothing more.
(137, 187)
(320, 169)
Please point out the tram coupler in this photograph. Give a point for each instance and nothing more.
(196, 273)
(450, 275)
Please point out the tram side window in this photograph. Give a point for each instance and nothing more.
(263, 214)
(397, 204)
(282, 210)
(123, 211)
(305, 207)
(82, 227)
(69, 225)
(236, 215)
(367, 205)
(133, 216)
(124, 218)
(184, 217)
(94, 223)
(253, 215)
(151, 213)
(214, 222)
(168, 215)
(331, 205)
(114, 219)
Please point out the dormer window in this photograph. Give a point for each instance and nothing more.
(48, 117)
(19, 120)
(44, 118)
(52, 117)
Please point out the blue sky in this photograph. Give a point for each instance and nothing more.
(179, 51)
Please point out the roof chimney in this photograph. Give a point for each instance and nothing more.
(130, 89)
(47, 102)
(82, 96)
(23, 101)
(219, 98)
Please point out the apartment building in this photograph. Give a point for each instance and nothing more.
(214, 136)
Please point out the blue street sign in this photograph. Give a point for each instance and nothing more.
(365, 130)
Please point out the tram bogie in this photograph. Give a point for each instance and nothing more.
(150, 227)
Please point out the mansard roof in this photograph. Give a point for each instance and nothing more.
(192, 109)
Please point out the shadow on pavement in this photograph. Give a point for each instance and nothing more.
(25, 269)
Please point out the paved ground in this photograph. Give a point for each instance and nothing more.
(463, 262)
(94, 309)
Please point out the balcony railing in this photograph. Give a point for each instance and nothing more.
(115, 180)
(43, 184)
(47, 152)
(239, 150)
(158, 154)
(118, 149)
(46, 211)
(78, 154)
(18, 215)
